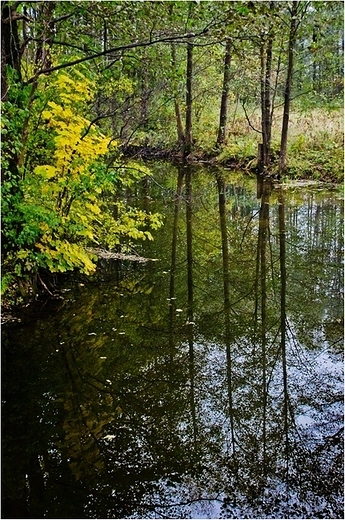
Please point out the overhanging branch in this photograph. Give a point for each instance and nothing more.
(115, 49)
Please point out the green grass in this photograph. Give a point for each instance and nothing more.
(315, 138)
(315, 141)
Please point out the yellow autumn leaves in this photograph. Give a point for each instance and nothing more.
(74, 187)
(77, 142)
(72, 184)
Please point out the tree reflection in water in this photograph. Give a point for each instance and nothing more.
(208, 384)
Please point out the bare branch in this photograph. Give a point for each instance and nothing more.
(248, 120)
(57, 42)
(94, 121)
(61, 18)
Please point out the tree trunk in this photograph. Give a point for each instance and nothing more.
(4, 85)
(316, 74)
(10, 47)
(179, 125)
(42, 60)
(266, 122)
(287, 93)
(46, 17)
(223, 116)
(145, 94)
(188, 137)
(266, 104)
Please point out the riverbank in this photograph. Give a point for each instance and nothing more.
(323, 167)
(315, 148)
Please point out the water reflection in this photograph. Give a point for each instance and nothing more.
(208, 384)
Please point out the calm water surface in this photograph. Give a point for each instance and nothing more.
(205, 384)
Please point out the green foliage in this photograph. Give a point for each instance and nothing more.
(55, 210)
(241, 149)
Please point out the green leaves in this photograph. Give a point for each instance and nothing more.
(63, 201)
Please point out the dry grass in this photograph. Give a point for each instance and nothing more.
(315, 140)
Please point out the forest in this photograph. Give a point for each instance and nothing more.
(89, 88)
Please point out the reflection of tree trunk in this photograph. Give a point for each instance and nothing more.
(226, 289)
(225, 248)
(192, 378)
(189, 242)
(190, 315)
(282, 259)
(174, 246)
(263, 231)
(263, 192)
(261, 269)
(37, 489)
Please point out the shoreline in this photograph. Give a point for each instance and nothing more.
(151, 153)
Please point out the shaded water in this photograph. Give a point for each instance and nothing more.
(206, 384)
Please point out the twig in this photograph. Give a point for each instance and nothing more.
(44, 285)
(247, 118)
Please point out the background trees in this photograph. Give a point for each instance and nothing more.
(83, 80)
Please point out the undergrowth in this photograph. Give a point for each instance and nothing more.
(315, 139)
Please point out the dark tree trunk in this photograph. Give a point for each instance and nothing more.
(42, 57)
(179, 125)
(264, 158)
(287, 92)
(10, 57)
(10, 175)
(42, 60)
(188, 137)
(316, 75)
(4, 85)
(223, 116)
(10, 46)
(145, 94)
(266, 121)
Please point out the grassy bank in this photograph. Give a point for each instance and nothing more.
(315, 141)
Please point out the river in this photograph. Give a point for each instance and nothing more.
(205, 383)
